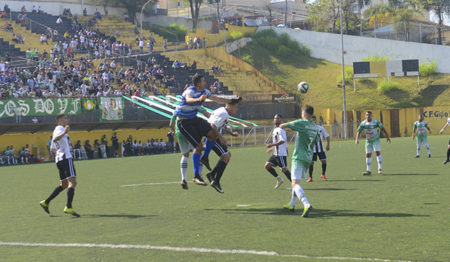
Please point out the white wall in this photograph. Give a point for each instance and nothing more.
(328, 46)
(57, 7)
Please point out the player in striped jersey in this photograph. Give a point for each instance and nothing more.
(448, 148)
(319, 151)
(420, 129)
(64, 162)
(280, 152)
(193, 127)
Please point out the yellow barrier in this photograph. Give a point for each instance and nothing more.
(40, 140)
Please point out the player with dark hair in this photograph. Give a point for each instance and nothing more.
(420, 129)
(195, 128)
(64, 162)
(319, 151)
(370, 126)
(219, 121)
(307, 132)
(279, 146)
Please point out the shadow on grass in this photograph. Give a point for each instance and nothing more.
(329, 188)
(315, 213)
(117, 216)
(357, 180)
(410, 174)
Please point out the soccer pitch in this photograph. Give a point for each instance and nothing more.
(130, 205)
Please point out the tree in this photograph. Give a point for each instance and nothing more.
(403, 20)
(377, 15)
(195, 10)
(323, 15)
(439, 8)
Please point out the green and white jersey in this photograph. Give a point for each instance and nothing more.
(421, 129)
(305, 139)
(371, 129)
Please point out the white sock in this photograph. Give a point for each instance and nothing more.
(380, 160)
(428, 149)
(200, 169)
(369, 163)
(301, 194)
(293, 197)
(184, 167)
(418, 150)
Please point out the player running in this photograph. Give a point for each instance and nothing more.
(193, 127)
(64, 162)
(219, 122)
(279, 147)
(371, 126)
(448, 149)
(307, 132)
(420, 128)
(319, 151)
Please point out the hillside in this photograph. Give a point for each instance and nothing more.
(322, 76)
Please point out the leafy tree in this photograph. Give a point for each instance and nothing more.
(403, 20)
(194, 5)
(440, 8)
(322, 14)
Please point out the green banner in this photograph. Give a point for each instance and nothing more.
(39, 106)
(111, 108)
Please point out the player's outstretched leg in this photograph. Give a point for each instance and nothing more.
(368, 166)
(70, 194)
(380, 162)
(448, 155)
(183, 168)
(311, 171)
(324, 170)
(272, 171)
(196, 163)
(205, 158)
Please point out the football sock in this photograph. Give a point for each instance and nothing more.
(369, 163)
(208, 146)
(380, 161)
(220, 169)
(301, 194)
(448, 154)
(293, 197)
(55, 192)
(324, 168)
(418, 150)
(196, 163)
(311, 170)
(184, 166)
(200, 169)
(273, 172)
(428, 150)
(70, 193)
(288, 175)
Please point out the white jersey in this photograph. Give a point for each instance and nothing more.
(318, 147)
(62, 146)
(219, 118)
(278, 135)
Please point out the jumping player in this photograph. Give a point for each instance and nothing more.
(280, 152)
(219, 121)
(371, 126)
(193, 127)
(420, 128)
(64, 162)
(448, 148)
(319, 151)
(307, 132)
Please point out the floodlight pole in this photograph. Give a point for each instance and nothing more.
(142, 14)
(344, 128)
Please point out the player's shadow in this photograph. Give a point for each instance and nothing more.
(316, 213)
(410, 174)
(329, 189)
(356, 180)
(131, 216)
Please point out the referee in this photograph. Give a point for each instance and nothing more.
(64, 162)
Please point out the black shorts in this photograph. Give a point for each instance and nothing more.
(194, 129)
(220, 148)
(66, 169)
(279, 161)
(321, 155)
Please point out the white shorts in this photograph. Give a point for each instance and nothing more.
(299, 170)
(371, 147)
(183, 143)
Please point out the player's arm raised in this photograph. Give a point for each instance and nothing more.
(58, 137)
(221, 100)
(191, 100)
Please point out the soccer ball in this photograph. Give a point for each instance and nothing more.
(303, 87)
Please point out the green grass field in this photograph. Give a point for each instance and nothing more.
(401, 215)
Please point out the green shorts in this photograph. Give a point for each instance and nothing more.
(183, 143)
(422, 140)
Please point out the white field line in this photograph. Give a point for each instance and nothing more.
(187, 249)
(150, 184)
